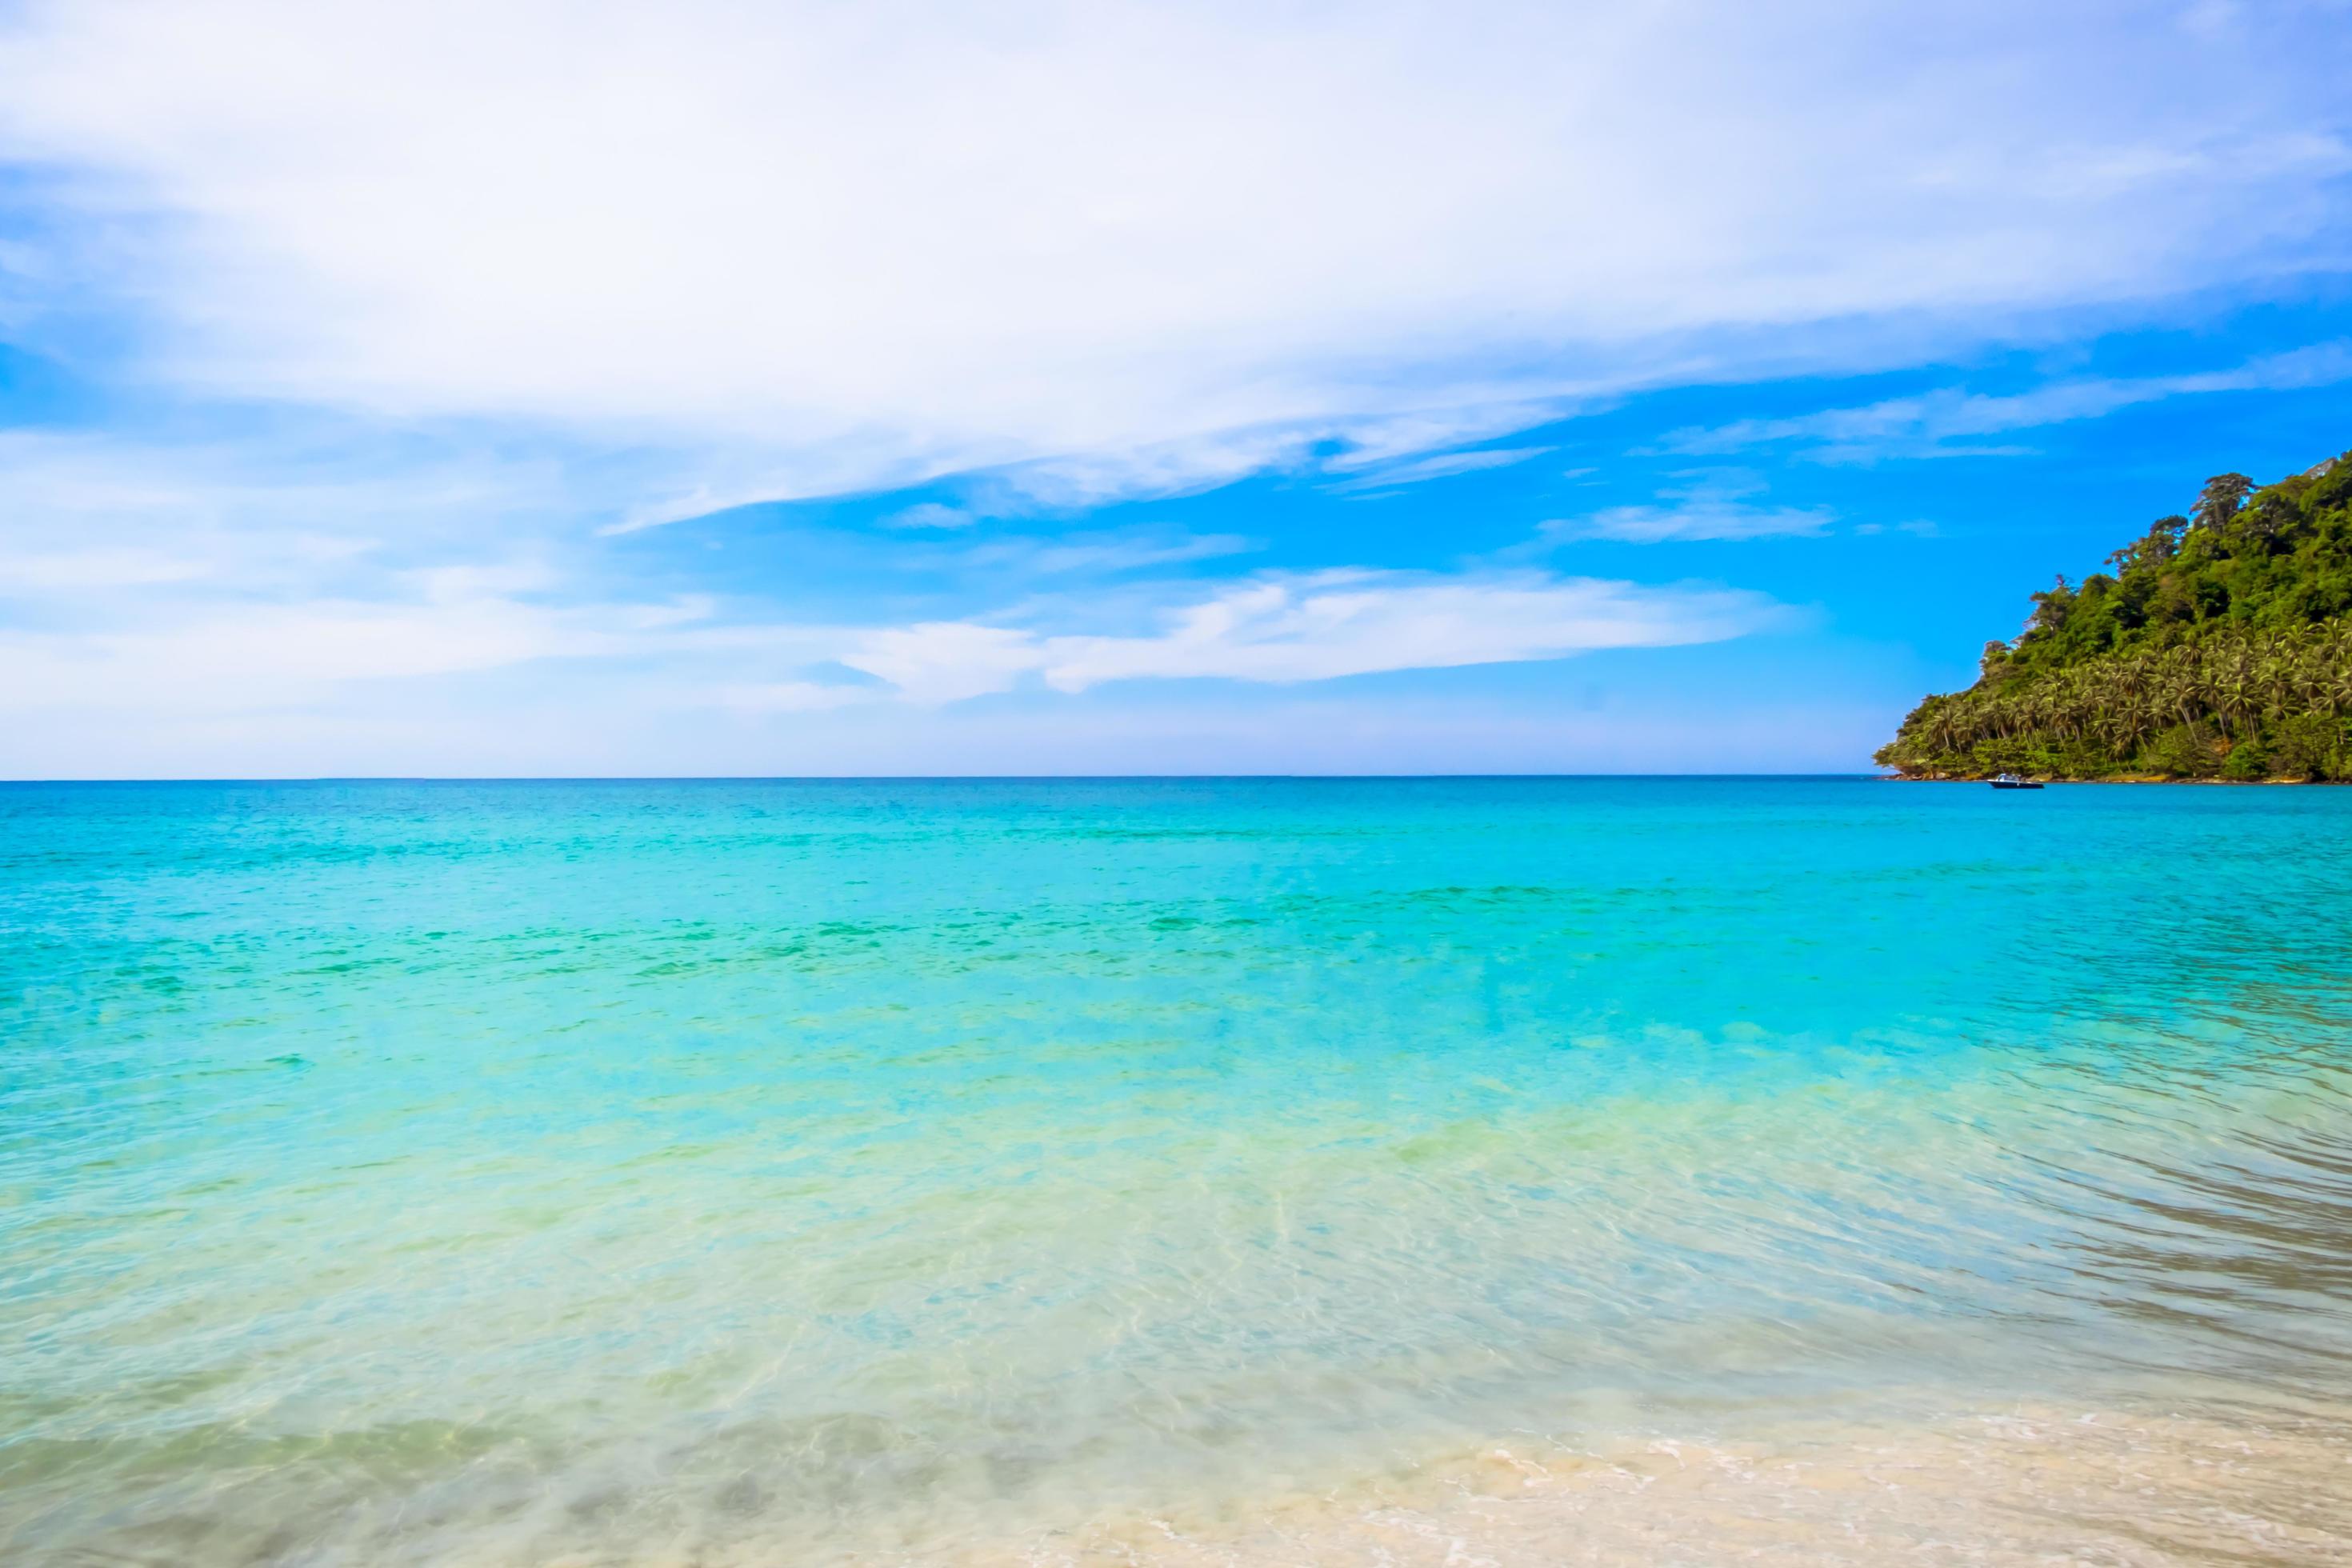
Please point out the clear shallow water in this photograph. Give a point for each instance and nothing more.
(1202, 1171)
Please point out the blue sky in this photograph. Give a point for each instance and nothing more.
(524, 388)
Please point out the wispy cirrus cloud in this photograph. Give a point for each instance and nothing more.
(1952, 422)
(930, 514)
(1715, 518)
(1440, 466)
(1389, 433)
(1098, 553)
(1715, 506)
(1345, 623)
(1320, 626)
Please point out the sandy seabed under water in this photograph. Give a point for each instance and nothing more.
(2032, 1485)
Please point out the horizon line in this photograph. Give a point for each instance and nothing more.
(888, 778)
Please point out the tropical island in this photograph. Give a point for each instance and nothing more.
(2218, 647)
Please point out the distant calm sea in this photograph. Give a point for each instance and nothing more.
(1504, 1171)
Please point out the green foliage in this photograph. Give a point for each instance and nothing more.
(2247, 761)
(2218, 646)
(2182, 753)
(2312, 746)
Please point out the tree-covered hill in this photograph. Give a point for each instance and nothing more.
(2218, 645)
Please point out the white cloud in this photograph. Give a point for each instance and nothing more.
(1319, 628)
(1709, 506)
(122, 511)
(1099, 554)
(1926, 424)
(1348, 623)
(698, 500)
(1372, 442)
(320, 656)
(57, 571)
(1382, 430)
(856, 244)
(1440, 466)
(272, 655)
(1075, 482)
(1704, 518)
(930, 514)
(946, 661)
(183, 659)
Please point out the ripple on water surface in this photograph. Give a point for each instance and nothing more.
(1545, 1171)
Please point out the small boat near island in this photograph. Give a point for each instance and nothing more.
(2011, 780)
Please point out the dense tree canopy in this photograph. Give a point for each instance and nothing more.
(2218, 645)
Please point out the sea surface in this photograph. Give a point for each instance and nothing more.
(1641, 1170)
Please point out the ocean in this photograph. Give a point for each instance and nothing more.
(1658, 1171)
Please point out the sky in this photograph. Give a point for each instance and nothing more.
(723, 388)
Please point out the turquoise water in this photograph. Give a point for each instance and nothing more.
(785, 1172)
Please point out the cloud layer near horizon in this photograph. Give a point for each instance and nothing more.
(1270, 629)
